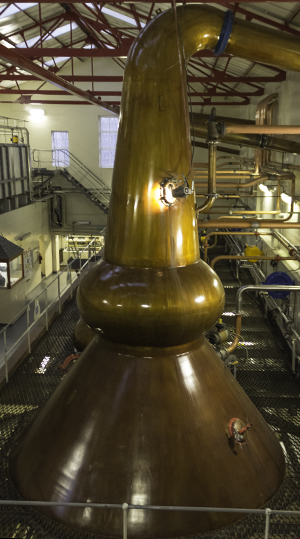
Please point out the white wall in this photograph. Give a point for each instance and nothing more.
(81, 121)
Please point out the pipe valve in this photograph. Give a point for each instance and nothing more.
(238, 430)
(181, 192)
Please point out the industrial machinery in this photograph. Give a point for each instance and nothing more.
(149, 414)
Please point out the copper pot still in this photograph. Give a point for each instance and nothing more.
(149, 414)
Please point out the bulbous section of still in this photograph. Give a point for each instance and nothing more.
(151, 306)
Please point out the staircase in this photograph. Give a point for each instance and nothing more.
(95, 195)
(76, 172)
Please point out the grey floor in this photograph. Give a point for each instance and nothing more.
(265, 376)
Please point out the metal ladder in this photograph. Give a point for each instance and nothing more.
(76, 172)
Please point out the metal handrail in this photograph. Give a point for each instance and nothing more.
(77, 167)
(57, 299)
(127, 506)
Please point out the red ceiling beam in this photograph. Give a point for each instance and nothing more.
(78, 52)
(68, 78)
(101, 78)
(56, 92)
(220, 2)
(11, 56)
(116, 104)
(251, 15)
(210, 92)
(39, 52)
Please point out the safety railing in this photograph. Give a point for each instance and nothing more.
(37, 310)
(126, 507)
(63, 159)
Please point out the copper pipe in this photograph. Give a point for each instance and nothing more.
(253, 212)
(259, 179)
(202, 195)
(269, 121)
(199, 129)
(211, 183)
(243, 223)
(219, 149)
(278, 195)
(224, 177)
(260, 119)
(234, 171)
(151, 298)
(287, 177)
(238, 329)
(262, 129)
(251, 257)
(216, 234)
(213, 245)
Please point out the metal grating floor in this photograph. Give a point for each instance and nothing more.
(265, 377)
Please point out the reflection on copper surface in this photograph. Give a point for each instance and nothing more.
(188, 375)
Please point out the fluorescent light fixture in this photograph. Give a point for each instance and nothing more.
(264, 188)
(36, 112)
(286, 198)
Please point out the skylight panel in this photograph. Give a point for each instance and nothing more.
(57, 61)
(13, 9)
(62, 30)
(118, 15)
(58, 32)
(29, 42)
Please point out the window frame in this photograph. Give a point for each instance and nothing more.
(111, 147)
(61, 160)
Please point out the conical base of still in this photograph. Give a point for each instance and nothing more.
(147, 426)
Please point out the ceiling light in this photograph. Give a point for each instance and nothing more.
(36, 112)
(286, 198)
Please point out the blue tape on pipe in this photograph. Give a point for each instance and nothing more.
(225, 33)
(279, 277)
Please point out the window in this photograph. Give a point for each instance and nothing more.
(108, 129)
(60, 148)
